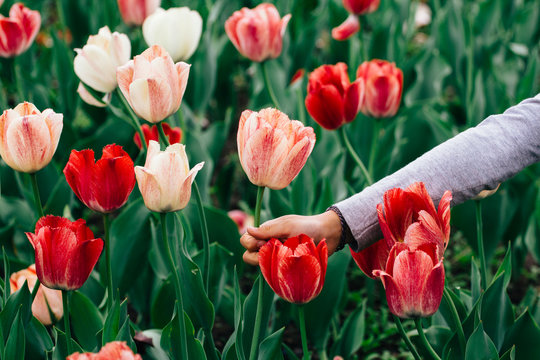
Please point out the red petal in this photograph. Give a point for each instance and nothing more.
(299, 278)
(326, 107)
(433, 290)
(79, 173)
(266, 256)
(348, 28)
(11, 38)
(354, 96)
(398, 214)
(372, 258)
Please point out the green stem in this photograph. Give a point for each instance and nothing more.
(301, 112)
(37, 199)
(177, 286)
(480, 244)
(457, 321)
(268, 85)
(65, 302)
(61, 15)
(258, 314)
(134, 118)
(206, 237)
(405, 338)
(18, 79)
(373, 150)
(354, 155)
(110, 291)
(427, 345)
(302, 321)
(162, 134)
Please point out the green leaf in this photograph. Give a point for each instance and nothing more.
(41, 341)
(497, 312)
(270, 347)
(525, 336)
(115, 321)
(171, 340)
(16, 339)
(505, 269)
(86, 320)
(480, 346)
(476, 288)
(352, 333)
(60, 351)
(19, 303)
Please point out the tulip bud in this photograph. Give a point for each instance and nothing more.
(135, 11)
(384, 84)
(46, 302)
(272, 148)
(65, 252)
(257, 33)
(296, 269)
(116, 350)
(165, 180)
(96, 63)
(28, 138)
(332, 100)
(177, 30)
(18, 31)
(359, 7)
(151, 133)
(422, 16)
(152, 84)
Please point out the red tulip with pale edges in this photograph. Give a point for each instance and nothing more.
(332, 100)
(295, 269)
(272, 148)
(174, 134)
(257, 33)
(116, 350)
(384, 85)
(153, 84)
(352, 24)
(104, 185)
(28, 137)
(18, 31)
(65, 252)
(134, 12)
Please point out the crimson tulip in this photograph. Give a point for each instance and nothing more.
(18, 31)
(384, 85)
(332, 100)
(295, 269)
(151, 133)
(65, 251)
(105, 185)
(136, 11)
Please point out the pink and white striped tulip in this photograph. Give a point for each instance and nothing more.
(257, 33)
(165, 180)
(18, 31)
(153, 84)
(272, 148)
(28, 138)
(96, 63)
(136, 11)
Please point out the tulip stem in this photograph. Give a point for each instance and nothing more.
(177, 287)
(37, 199)
(110, 292)
(301, 111)
(455, 317)
(405, 338)
(354, 155)
(427, 345)
(162, 134)
(302, 321)
(65, 302)
(258, 206)
(480, 244)
(206, 238)
(134, 118)
(268, 85)
(373, 149)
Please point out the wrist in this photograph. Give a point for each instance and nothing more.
(331, 225)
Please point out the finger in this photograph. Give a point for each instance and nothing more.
(251, 258)
(276, 228)
(251, 243)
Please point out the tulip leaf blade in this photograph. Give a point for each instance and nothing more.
(60, 352)
(16, 340)
(41, 341)
(171, 341)
(525, 336)
(352, 333)
(480, 346)
(20, 303)
(86, 320)
(270, 347)
(497, 312)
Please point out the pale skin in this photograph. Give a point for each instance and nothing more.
(322, 226)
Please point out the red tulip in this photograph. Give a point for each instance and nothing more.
(17, 32)
(295, 270)
(151, 133)
(359, 7)
(65, 251)
(257, 33)
(136, 11)
(105, 185)
(332, 99)
(384, 84)
(272, 148)
(116, 350)
(413, 280)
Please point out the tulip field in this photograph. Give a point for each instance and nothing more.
(172, 176)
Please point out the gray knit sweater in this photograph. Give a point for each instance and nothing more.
(477, 159)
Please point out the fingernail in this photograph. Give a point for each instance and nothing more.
(260, 244)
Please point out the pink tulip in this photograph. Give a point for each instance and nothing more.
(136, 11)
(28, 138)
(18, 31)
(241, 219)
(257, 33)
(348, 28)
(272, 148)
(165, 180)
(45, 298)
(152, 84)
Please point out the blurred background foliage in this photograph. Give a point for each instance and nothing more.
(476, 58)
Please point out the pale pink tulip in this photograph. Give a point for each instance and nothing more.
(45, 298)
(89, 98)
(165, 180)
(136, 11)
(28, 138)
(153, 84)
(257, 33)
(272, 148)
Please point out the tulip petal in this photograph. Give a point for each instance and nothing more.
(394, 296)
(150, 188)
(348, 28)
(372, 258)
(150, 99)
(298, 278)
(266, 259)
(81, 263)
(292, 164)
(433, 290)
(11, 38)
(79, 174)
(397, 215)
(354, 97)
(326, 107)
(124, 77)
(94, 67)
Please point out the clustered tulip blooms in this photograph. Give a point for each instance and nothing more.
(28, 137)
(295, 269)
(18, 31)
(135, 11)
(151, 133)
(257, 33)
(116, 350)
(409, 258)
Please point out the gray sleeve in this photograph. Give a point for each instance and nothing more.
(477, 159)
